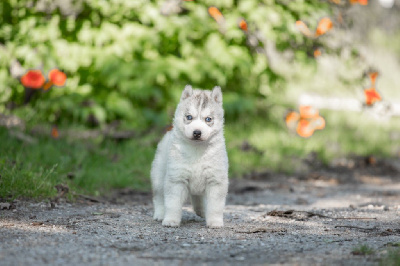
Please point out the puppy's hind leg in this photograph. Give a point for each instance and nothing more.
(158, 202)
(157, 180)
(198, 205)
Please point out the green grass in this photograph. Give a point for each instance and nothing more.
(363, 250)
(32, 170)
(392, 258)
(96, 166)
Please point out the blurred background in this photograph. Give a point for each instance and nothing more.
(127, 61)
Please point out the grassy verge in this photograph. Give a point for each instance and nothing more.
(392, 258)
(94, 167)
(32, 170)
(345, 134)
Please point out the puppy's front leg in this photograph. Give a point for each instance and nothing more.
(215, 203)
(174, 196)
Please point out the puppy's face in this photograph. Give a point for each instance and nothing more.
(199, 114)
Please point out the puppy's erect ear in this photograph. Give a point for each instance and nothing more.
(187, 92)
(216, 94)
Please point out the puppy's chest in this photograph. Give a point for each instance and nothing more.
(197, 165)
(197, 179)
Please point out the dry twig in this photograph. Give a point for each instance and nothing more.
(292, 214)
(356, 227)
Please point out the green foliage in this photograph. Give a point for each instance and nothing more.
(124, 60)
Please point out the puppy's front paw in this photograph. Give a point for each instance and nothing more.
(158, 216)
(170, 223)
(217, 223)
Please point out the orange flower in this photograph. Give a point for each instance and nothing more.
(306, 122)
(307, 111)
(215, 14)
(291, 119)
(57, 77)
(318, 123)
(361, 2)
(371, 96)
(54, 132)
(317, 53)
(304, 128)
(33, 79)
(324, 26)
(243, 25)
(303, 28)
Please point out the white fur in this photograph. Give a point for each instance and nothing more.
(184, 166)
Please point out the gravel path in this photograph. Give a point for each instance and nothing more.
(316, 219)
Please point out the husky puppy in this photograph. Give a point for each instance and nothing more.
(192, 159)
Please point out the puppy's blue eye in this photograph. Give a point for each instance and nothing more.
(208, 119)
(189, 117)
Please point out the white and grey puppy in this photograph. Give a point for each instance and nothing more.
(192, 159)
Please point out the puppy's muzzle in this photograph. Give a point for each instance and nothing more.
(197, 134)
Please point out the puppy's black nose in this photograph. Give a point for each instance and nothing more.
(197, 134)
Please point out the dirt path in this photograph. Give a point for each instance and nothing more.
(122, 232)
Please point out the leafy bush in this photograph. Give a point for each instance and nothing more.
(125, 60)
